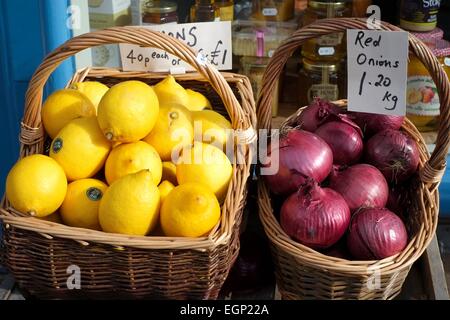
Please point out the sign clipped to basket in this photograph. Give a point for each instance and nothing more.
(377, 71)
(212, 40)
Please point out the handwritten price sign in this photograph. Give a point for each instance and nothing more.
(210, 39)
(377, 71)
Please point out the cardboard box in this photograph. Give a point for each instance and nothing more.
(109, 13)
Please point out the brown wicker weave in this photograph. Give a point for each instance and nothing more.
(38, 253)
(303, 273)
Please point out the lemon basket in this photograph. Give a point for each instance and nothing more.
(303, 273)
(41, 255)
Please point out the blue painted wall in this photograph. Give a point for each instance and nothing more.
(29, 30)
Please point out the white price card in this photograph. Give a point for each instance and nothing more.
(212, 40)
(377, 71)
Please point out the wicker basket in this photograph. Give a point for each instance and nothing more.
(303, 273)
(38, 253)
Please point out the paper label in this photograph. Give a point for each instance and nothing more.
(422, 98)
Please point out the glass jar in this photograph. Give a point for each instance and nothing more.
(359, 8)
(330, 47)
(273, 10)
(319, 79)
(159, 12)
(422, 100)
(419, 15)
(204, 11)
(225, 9)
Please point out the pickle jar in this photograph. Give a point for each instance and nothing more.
(330, 47)
(159, 12)
(225, 9)
(204, 11)
(319, 79)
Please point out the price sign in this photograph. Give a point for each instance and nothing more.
(377, 71)
(212, 40)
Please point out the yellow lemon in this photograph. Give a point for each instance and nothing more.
(63, 106)
(190, 210)
(214, 128)
(169, 172)
(164, 189)
(169, 92)
(131, 158)
(80, 148)
(93, 90)
(36, 185)
(205, 164)
(54, 217)
(197, 101)
(172, 131)
(131, 205)
(80, 207)
(128, 111)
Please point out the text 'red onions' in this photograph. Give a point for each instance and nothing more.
(314, 216)
(394, 153)
(361, 185)
(301, 154)
(376, 234)
(317, 113)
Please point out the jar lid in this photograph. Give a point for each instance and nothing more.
(442, 48)
(151, 6)
(326, 4)
(319, 66)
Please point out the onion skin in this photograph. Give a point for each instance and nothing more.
(302, 154)
(370, 123)
(375, 234)
(394, 153)
(344, 140)
(316, 114)
(314, 216)
(361, 185)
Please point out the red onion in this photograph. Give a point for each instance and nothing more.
(361, 185)
(376, 234)
(373, 123)
(345, 140)
(301, 154)
(394, 153)
(317, 113)
(314, 216)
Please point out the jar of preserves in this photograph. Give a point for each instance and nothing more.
(159, 12)
(422, 100)
(330, 47)
(273, 10)
(419, 15)
(319, 79)
(225, 9)
(204, 11)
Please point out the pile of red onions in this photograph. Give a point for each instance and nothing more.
(328, 170)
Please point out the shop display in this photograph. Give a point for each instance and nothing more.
(419, 15)
(422, 101)
(273, 10)
(204, 11)
(148, 12)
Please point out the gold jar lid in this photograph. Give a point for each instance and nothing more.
(324, 5)
(319, 66)
(150, 6)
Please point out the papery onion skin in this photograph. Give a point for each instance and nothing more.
(316, 114)
(361, 185)
(376, 233)
(394, 153)
(371, 123)
(314, 216)
(302, 154)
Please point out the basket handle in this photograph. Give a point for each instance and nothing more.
(434, 168)
(32, 132)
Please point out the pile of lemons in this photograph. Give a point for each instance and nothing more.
(132, 159)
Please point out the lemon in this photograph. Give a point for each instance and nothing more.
(131, 158)
(128, 111)
(164, 189)
(169, 92)
(36, 185)
(80, 148)
(80, 207)
(197, 101)
(169, 172)
(93, 90)
(131, 205)
(63, 106)
(205, 164)
(172, 131)
(54, 217)
(214, 128)
(190, 210)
